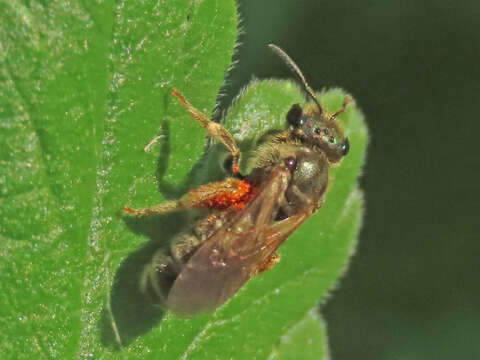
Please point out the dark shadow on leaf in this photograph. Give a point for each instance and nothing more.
(168, 190)
(207, 169)
(130, 313)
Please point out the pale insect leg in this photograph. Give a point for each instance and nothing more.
(152, 142)
(214, 129)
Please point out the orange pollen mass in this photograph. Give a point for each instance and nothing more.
(235, 197)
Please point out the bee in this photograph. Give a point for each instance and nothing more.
(248, 215)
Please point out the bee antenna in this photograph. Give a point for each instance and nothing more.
(291, 64)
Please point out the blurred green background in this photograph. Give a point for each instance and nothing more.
(412, 290)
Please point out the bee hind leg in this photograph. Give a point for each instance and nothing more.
(230, 192)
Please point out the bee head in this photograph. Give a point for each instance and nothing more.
(314, 127)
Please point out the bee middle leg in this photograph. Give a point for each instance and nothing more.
(214, 129)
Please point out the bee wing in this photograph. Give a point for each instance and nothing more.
(233, 254)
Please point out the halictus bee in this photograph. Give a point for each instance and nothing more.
(249, 215)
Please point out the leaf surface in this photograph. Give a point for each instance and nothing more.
(304, 340)
(84, 88)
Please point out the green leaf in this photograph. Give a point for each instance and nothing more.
(304, 340)
(84, 87)
(83, 90)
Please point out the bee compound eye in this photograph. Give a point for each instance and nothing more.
(291, 162)
(346, 147)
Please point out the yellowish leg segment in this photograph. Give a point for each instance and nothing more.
(347, 100)
(216, 130)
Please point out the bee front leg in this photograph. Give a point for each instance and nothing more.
(347, 100)
(214, 129)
